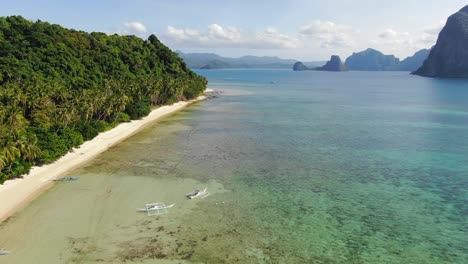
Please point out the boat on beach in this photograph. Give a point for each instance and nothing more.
(64, 179)
(197, 193)
(4, 252)
(155, 208)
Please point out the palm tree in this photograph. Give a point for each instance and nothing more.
(19, 145)
(15, 119)
(26, 144)
(42, 112)
(2, 162)
(11, 153)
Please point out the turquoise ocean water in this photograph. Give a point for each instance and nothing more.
(303, 167)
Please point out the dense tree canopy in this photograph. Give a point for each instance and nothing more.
(59, 87)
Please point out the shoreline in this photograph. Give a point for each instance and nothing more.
(20, 191)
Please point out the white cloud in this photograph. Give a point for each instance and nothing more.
(435, 29)
(403, 43)
(330, 34)
(224, 33)
(394, 37)
(431, 33)
(133, 28)
(399, 43)
(424, 37)
(388, 34)
(216, 36)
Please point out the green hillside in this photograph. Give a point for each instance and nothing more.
(59, 87)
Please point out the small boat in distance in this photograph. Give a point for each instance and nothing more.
(155, 208)
(63, 179)
(4, 252)
(197, 193)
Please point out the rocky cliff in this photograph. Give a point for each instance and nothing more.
(412, 63)
(449, 57)
(334, 64)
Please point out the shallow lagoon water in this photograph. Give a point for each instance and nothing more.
(302, 167)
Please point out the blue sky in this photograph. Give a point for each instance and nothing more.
(300, 29)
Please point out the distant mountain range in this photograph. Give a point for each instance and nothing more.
(367, 60)
(214, 61)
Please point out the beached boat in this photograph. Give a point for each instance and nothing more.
(155, 208)
(4, 252)
(66, 179)
(197, 193)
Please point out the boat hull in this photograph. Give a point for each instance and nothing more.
(154, 209)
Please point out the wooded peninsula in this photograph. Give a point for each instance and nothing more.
(60, 87)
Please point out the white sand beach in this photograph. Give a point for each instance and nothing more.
(16, 193)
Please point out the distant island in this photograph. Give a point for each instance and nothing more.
(214, 61)
(299, 66)
(449, 57)
(369, 60)
(372, 60)
(334, 64)
(60, 87)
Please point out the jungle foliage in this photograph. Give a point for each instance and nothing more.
(60, 87)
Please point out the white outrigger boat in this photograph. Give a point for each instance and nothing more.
(4, 252)
(66, 179)
(197, 193)
(155, 208)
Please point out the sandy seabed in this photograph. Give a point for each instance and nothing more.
(16, 193)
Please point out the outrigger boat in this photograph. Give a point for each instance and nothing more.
(4, 252)
(66, 179)
(155, 208)
(197, 193)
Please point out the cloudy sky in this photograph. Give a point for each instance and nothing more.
(300, 29)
